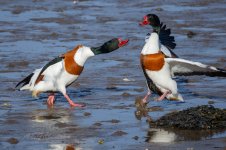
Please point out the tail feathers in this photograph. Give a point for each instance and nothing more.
(24, 82)
(220, 73)
(25, 87)
(177, 97)
(180, 98)
(165, 37)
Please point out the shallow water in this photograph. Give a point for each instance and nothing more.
(34, 32)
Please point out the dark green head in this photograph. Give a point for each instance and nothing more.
(152, 20)
(109, 46)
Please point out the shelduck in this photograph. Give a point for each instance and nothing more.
(159, 69)
(62, 71)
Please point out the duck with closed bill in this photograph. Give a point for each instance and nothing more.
(62, 71)
(167, 44)
(167, 41)
(159, 69)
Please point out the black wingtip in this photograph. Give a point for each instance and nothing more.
(24, 81)
(220, 73)
(165, 38)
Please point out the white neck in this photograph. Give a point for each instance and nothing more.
(152, 45)
(82, 55)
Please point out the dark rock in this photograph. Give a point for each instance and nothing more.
(201, 117)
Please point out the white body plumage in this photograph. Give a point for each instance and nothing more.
(161, 78)
(56, 78)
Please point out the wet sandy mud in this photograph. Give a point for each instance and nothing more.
(34, 32)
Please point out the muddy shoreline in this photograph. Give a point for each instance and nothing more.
(34, 32)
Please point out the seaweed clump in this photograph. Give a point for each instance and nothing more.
(200, 117)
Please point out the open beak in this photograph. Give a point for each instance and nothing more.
(122, 42)
(144, 22)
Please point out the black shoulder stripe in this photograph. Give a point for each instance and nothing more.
(52, 62)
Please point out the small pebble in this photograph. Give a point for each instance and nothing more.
(119, 133)
(101, 141)
(6, 105)
(135, 137)
(190, 34)
(86, 114)
(159, 9)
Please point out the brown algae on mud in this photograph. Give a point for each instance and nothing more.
(119, 133)
(13, 141)
(200, 117)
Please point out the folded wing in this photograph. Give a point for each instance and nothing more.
(182, 67)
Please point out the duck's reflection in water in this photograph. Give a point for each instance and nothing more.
(52, 115)
(160, 136)
(63, 147)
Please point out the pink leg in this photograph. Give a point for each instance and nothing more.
(145, 99)
(163, 96)
(51, 99)
(72, 103)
